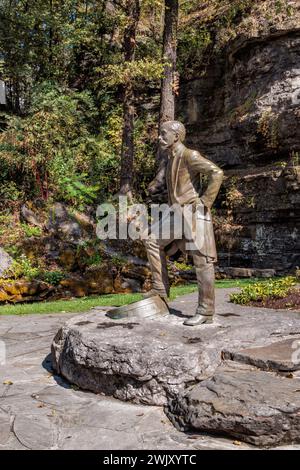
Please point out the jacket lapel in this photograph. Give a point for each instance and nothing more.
(175, 168)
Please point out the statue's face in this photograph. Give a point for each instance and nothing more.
(167, 137)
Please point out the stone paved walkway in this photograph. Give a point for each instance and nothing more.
(41, 411)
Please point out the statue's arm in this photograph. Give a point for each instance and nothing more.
(201, 165)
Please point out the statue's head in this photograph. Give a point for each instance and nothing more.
(170, 133)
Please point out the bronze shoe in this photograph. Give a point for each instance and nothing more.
(198, 319)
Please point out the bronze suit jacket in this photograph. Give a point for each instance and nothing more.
(183, 175)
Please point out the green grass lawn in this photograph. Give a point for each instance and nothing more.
(85, 303)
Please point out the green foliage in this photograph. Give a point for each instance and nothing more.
(75, 190)
(52, 277)
(295, 158)
(145, 132)
(57, 40)
(56, 139)
(118, 260)
(94, 260)
(9, 192)
(268, 126)
(63, 143)
(278, 288)
(182, 266)
(31, 230)
(234, 196)
(13, 251)
(22, 267)
(204, 29)
(193, 43)
(240, 112)
(144, 69)
(233, 13)
(85, 303)
(283, 6)
(105, 162)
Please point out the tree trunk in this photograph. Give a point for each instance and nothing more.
(168, 88)
(168, 85)
(127, 152)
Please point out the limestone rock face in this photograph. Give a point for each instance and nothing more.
(243, 402)
(264, 231)
(245, 108)
(243, 113)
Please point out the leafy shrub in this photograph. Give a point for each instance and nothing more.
(31, 230)
(9, 192)
(278, 288)
(94, 260)
(6, 221)
(52, 277)
(77, 192)
(55, 139)
(182, 266)
(118, 260)
(22, 267)
(192, 46)
(145, 134)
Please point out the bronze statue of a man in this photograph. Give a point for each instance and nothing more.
(183, 175)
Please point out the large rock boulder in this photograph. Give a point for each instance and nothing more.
(29, 216)
(100, 279)
(243, 402)
(5, 261)
(62, 225)
(140, 361)
(282, 356)
(238, 376)
(24, 291)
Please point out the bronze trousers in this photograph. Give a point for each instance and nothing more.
(204, 266)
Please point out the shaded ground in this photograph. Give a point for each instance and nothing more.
(41, 411)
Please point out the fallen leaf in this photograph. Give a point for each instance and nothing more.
(237, 443)
(7, 382)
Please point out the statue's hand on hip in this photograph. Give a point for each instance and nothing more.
(201, 202)
(201, 210)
